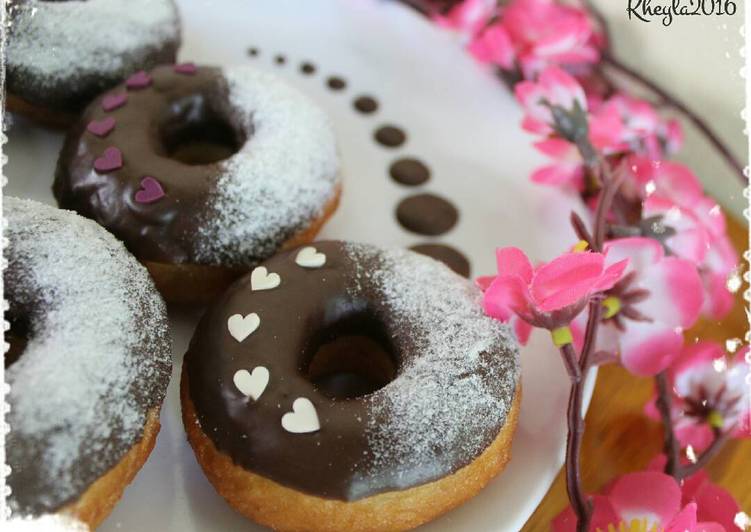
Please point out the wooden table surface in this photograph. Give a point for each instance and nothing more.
(619, 438)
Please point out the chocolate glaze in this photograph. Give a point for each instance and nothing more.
(390, 136)
(309, 308)
(426, 214)
(71, 92)
(365, 104)
(147, 129)
(451, 257)
(409, 171)
(33, 263)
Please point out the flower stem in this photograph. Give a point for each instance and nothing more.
(720, 438)
(671, 445)
(579, 369)
(576, 495)
(674, 102)
(609, 58)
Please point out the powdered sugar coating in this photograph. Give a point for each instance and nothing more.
(98, 356)
(459, 375)
(77, 46)
(279, 181)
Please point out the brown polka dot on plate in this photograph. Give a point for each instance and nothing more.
(336, 83)
(307, 68)
(426, 214)
(451, 257)
(409, 171)
(280, 59)
(253, 52)
(390, 136)
(365, 104)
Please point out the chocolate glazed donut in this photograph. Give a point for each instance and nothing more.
(202, 172)
(60, 55)
(88, 366)
(348, 387)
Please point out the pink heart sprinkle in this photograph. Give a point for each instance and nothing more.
(101, 128)
(139, 80)
(111, 159)
(113, 101)
(151, 190)
(186, 68)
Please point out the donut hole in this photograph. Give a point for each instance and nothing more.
(194, 131)
(351, 358)
(17, 337)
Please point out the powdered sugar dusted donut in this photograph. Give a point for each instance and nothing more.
(202, 167)
(90, 360)
(60, 55)
(348, 387)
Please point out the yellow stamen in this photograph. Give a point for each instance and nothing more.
(562, 336)
(580, 246)
(612, 306)
(715, 420)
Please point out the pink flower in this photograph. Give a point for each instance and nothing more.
(546, 33)
(468, 16)
(720, 261)
(648, 309)
(567, 169)
(624, 124)
(521, 328)
(692, 224)
(710, 391)
(551, 295)
(646, 500)
(713, 503)
(554, 87)
(493, 45)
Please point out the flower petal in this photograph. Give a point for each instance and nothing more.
(602, 516)
(648, 348)
(684, 521)
(646, 495)
(676, 293)
(522, 329)
(715, 504)
(494, 46)
(566, 280)
(504, 296)
(513, 261)
(611, 275)
(642, 252)
(484, 281)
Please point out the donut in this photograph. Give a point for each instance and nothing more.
(88, 364)
(60, 55)
(202, 172)
(346, 387)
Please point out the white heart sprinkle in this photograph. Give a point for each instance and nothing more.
(261, 279)
(303, 417)
(252, 384)
(240, 328)
(309, 257)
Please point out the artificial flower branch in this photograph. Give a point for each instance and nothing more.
(578, 367)
(609, 58)
(671, 445)
(713, 138)
(655, 256)
(672, 448)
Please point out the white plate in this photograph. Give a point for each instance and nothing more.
(461, 121)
